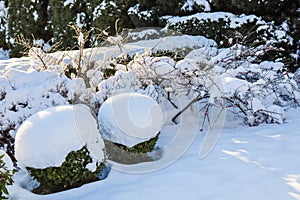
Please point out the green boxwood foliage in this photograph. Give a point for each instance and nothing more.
(130, 155)
(5, 178)
(72, 173)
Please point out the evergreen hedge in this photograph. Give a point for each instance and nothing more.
(51, 20)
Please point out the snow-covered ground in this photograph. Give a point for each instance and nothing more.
(246, 163)
(260, 162)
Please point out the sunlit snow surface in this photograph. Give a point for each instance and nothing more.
(246, 163)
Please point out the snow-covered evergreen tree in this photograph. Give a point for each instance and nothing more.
(108, 12)
(29, 19)
(64, 14)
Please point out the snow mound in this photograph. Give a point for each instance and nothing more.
(130, 118)
(47, 137)
(22, 79)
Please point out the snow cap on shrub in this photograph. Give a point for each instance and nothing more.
(47, 137)
(130, 118)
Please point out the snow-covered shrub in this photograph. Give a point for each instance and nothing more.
(297, 77)
(130, 121)
(156, 75)
(207, 28)
(25, 92)
(259, 93)
(228, 29)
(256, 93)
(122, 80)
(147, 14)
(254, 30)
(60, 147)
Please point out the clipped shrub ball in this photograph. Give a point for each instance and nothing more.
(60, 147)
(6, 172)
(130, 122)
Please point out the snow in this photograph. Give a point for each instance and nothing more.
(80, 39)
(126, 81)
(241, 162)
(271, 65)
(3, 54)
(25, 79)
(171, 43)
(135, 10)
(98, 9)
(45, 139)
(277, 112)
(115, 40)
(234, 20)
(3, 10)
(228, 86)
(68, 2)
(235, 85)
(80, 17)
(142, 34)
(35, 15)
(188, 5)
(246, 163)
(130, 118)
(163, 66)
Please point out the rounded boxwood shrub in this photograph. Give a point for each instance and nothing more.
(130, 119)
(72, 173)
(130, 124)
(61, 148)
